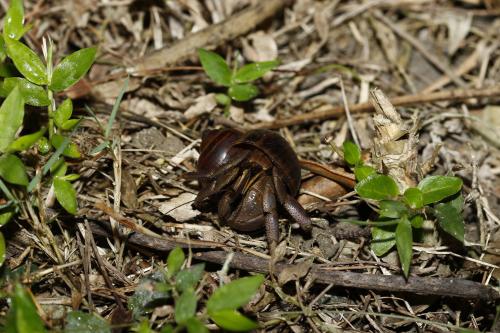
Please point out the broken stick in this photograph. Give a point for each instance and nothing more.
(405, 100)
(322, 274)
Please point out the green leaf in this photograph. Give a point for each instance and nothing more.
(222, 99)
(43, 145)
(404, 242)
(380, 223)
(11, 118)
(243, 92)
(234, 294)
(71, 177)
(72, 68)
(147, 295)
(6, 69)
(6, 215)
(100, 147)
(436, 188)
(69, 124)
(70, 151)
(185, 306)
(13, 21)
(383, 239)
(377, 187)
(450, 219)
(66, 195)
(188, 278)
(33, 94)
(232, 320)
(53, 159)
(2, 249)
(3, 50)
(457, 201)
(63, 112)
(82, 322)
(170, 329)
(59, 168)
(215, 66)
(193, 325)
(352, 153)
(414, 197)
(13, 170)
(417, 221)
(174, 261)
(392, 209)
(116, 107)
(142, 327)
(254, 71)
(26, 141)
(363, 171)
(22, 316)
(26, 61)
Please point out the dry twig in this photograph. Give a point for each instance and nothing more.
(333, 112)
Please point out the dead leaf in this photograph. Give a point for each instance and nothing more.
(80, 89)
(79, 11)
(459, 24)
(109, 91)
(179, 208)
(128, 190)
(153, 138)
(120, 317)
(195, 11)
(237, 114)
(279, 253)
(260, 47)
(387, 39)
(322, 187)
(203, 104)
(176, 28)
(492, 255)
(321, 23)
(295, 272)
(144, 107)
(489, 126)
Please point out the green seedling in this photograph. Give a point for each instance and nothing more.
(237, 81)
(29, 79)
(400, 214)
(180, 285)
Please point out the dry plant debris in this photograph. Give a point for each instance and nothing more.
(435, 64)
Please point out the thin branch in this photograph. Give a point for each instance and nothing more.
(324, 113)
(393, 283)
(324, 274)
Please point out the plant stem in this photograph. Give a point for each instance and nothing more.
(50, 110)
(50, 94)
(6, 191)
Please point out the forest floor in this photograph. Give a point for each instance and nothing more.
(438, 62)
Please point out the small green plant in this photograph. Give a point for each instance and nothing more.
(399, 214)
(238, 81)
(181, 285)
(22, 316)
(175, 285)
(29, 80)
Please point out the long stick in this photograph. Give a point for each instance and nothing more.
(334, 112)
(394, 283)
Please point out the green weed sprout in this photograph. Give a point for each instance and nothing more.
(27, 79)
(237, 81)
(400, 214)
